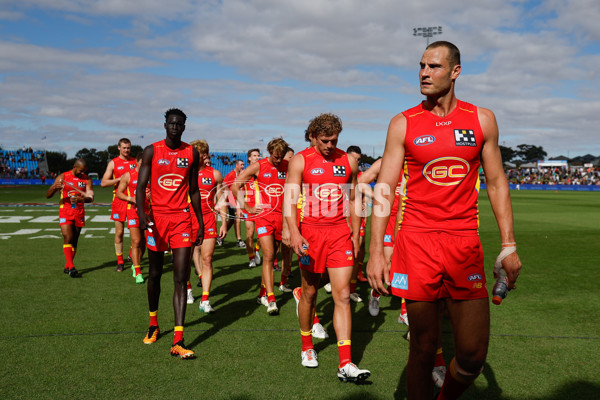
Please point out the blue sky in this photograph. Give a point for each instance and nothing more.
(84, 73)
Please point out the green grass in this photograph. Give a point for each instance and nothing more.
(81, 338)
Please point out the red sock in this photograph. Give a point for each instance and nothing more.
(251, 256)
(120, 258)
(403, 307)
(68, 251)
(316, 319)
(271, 297)
(353, 286)
(189, 285)
(74, 252)
(154, 318)
(178, 334)
(275, 263)
(439, 358)
(307, 343)
(454, 385)
(263, 291)
(205, 296)
(283, 279)
(138, 269)
(344, 347)
(375, 293)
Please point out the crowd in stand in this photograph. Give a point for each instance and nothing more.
(555, 176)
(20, 163)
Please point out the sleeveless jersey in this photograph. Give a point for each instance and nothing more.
(441, 170)
(270, 181)
(251, 192)
(325, 186)
(207, 186)
(67, 191)
(169, 180)
(121, 167)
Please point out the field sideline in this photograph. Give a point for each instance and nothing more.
(81, 338)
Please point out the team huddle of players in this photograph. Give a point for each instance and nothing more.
(424, 244)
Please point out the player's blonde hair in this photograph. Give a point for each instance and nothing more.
(325, 124)
(200, 145)
(277, 145)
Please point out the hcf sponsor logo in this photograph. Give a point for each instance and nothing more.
(446, 171)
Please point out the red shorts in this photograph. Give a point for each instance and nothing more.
(118, 210)
(174, 230)
(271, 225)
(132, 218)
(427, 266)
(388, 236)
(328, 247)
(71, 216)
(210, 225)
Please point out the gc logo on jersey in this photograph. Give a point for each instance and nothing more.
(274, 189)
(465, 137)
(446, 171)
(339, 170)
(170, 182)
(328, 192)
(183, 162)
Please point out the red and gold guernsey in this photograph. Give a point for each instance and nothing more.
(207, 185)
(441, 169)
(169, 180)
(325, 183)
(132, 187)
(251, 192)
(121, 167)
(71, 181)
(270, 180)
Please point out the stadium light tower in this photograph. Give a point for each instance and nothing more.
(427, 32)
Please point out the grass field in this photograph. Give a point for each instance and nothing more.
(82, 338)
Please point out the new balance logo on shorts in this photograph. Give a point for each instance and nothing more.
(400, 281)
(261, 230)
(151, 241)
(116, 216)
(132, 222)
(305, 260)
(182, 163)
(464, 137)
(339, 170)
(62, 220)
(387, 238)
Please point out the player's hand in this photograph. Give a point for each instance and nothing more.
(223, 230)
(296, 244)
(285, 236)
(146, 223)
(58, 184)
(356, 244)
(200, 237)
(378, 273)
(512, 265)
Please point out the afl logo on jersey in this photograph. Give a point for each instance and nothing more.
(317, 171)
(328, 192)
(170, 182)
(162, 161)
(424, 140)
(267, 175)
(120, 167)
(446, 171)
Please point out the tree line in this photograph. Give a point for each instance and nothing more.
(97, 160)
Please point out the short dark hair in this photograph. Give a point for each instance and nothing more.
(252, 151)
(238, 161)
(175, 111)
(453, 52)
(124, 140)
(354, 149)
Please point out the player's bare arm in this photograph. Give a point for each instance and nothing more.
(195, 196)
(56, 186)
(107, 178)
(355, 214)
(293, 182)
(220, 203)
(89, 191)
(122, 188)
(378, 268)
(242, 178)
(143, 178)
(498, 192)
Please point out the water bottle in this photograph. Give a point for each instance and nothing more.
(73, 205)
(500, 289)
